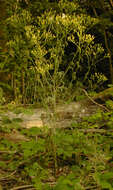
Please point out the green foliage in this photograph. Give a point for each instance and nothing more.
(52, 51)
(78, 157)
(40, 58)
(102, 30)
(68, 182)
(2, 99)
(104, 180)
(109, 104)
(8, 125)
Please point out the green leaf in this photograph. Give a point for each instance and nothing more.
(34, 131)
(3, 165)
(106, 185)
(108, 175)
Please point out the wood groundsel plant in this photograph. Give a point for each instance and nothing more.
(50, 55)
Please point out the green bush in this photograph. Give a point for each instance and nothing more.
(40, 57)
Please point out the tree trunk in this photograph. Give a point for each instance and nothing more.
(104, 95)
(23, 86)
(3, 15)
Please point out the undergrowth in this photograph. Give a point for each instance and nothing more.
(79, 157)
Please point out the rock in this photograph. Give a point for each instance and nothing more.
(32, 123)
(64, 114)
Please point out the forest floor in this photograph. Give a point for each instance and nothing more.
(64, 115)
(69, 149)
